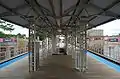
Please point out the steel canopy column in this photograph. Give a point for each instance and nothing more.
(33, 58)
(85, 50)
(72, 50)
(36, 50)
(66, 41)
(81, 52)
(34, 53)
(75, 49)
(37, 47)
(48, 45)
(83, 47)
(70, 45)
(31, 51)
(78, 51)
(54, 42)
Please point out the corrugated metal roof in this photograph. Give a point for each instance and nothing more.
(60, 13)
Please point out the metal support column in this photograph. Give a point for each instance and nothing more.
(54, 42)
(33, 58)
(66, 42)
(30, 49)
(72, 43)
(48, 45)
(83, 48)
(75, 49)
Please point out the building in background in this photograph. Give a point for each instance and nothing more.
(112, 47)
(95, 40)
(10, 47)
(107, 46)
(95, 32)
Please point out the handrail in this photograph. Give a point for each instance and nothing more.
(3, 61)
(102, 56)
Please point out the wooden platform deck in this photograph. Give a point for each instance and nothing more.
(96, 70)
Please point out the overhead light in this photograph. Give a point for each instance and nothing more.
(87, 25)
(62, 37)
(59, 30)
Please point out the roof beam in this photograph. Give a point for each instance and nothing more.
(13, 9)
(39, 16)
(37, 7)
(61, 12)
(67, 11)
(6, 14)
(106, 13)
(53, 10)
(14, 22)
(74, 20)
(104, 10)
(104, 22)
(20, 7)
(74, 11)
(13, 12)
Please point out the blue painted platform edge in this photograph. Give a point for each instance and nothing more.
(104, 61)
(8, 62)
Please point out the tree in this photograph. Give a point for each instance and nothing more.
(3, 35)
(6, 26)
(21, 35)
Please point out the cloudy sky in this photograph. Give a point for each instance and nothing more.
(111, 28)
(18, 29)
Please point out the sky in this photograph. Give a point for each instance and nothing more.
(18, 29)
(111, 28)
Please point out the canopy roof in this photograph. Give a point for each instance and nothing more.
(59, 13)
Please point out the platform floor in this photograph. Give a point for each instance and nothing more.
(96, 70)
(16, 70)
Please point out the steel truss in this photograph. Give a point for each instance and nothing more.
(33, 48)
(78, 42)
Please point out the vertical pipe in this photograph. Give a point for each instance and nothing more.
(54, 43)
(72, 46)
(75, 50)
(48, 45)
(29, 50)
(81, 52)
(66, 43)
(85, 52)
(34, 56)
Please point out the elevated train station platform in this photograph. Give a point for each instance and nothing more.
(47, 20)
(96, 70)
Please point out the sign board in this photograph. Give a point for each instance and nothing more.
(113, 40)
(7, 40)
(1, 39)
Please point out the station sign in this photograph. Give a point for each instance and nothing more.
(1, 39)
(113, 40)
(7, 40)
